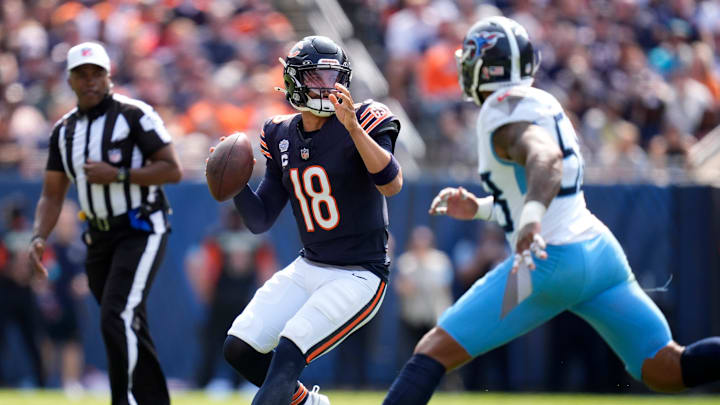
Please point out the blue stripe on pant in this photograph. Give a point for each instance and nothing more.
(591, 279)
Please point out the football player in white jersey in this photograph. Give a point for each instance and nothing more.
(564, 258)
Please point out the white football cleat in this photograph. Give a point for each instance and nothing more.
(316, 398)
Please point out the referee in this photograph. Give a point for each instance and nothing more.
(118, 153)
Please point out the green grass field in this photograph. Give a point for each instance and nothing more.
(375, 398)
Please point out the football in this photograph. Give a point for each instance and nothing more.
(229, 166)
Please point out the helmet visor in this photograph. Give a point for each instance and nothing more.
(323, 78)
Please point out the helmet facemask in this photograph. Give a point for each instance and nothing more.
(309, 86)
(469, 61)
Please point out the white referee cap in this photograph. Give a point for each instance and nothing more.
(88, 52)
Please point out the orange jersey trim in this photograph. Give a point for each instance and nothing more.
(372, 126)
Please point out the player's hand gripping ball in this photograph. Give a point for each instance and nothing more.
(229, 166)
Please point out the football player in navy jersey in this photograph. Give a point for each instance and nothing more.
(334, 162)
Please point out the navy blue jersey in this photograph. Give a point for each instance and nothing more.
(341, 216)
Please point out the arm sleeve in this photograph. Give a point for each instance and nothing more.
(387, 135)
(385, 142)
(152, 135)
(54, 160)
(260, 208)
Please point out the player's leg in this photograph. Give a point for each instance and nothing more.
(699, 362)
(435, 354)
(341, 303)
(475, 324)
(281, 383)
(620, 311)
(635, 328)
(675, 368)
(249, 362)
(256, 331)
(637, 331)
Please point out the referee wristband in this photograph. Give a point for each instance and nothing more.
(532, 211)
(388, 174)
(485, 208)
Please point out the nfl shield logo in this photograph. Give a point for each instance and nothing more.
(114, 155)
(305, 153)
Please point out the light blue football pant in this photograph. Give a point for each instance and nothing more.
(591, 279)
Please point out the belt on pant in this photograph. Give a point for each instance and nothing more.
(106, 224)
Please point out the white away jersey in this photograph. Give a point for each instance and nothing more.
(567, 219)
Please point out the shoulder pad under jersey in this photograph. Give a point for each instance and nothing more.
(516, 104)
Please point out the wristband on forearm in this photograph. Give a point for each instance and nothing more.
(388, 174)
(532, 211)
(485, 208)
(35, 237)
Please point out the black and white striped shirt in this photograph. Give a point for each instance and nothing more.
(121, 131)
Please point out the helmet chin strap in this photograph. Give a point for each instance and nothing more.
(321, 113)
(320, 107)
(310, 107)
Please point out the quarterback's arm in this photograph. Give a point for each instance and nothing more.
(380, 163)
(528, 145)
(260, 208)
(385, 141)
(376, 160)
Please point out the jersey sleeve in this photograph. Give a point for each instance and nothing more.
(151, 133)
(386, 140)
(516, 104)
(54, 160)
(260, 208)
(272, 167)
(378, 121)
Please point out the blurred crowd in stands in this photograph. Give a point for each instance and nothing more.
(639, 77)
(208, 68)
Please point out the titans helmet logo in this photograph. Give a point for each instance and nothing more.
(482, 42)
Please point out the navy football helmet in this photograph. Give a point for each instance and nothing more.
(311, 69)
(496, 52)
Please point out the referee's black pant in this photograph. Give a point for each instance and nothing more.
(121, 265)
